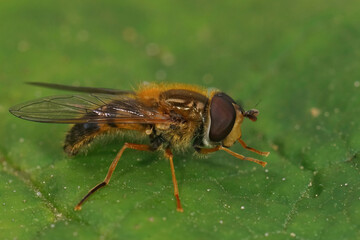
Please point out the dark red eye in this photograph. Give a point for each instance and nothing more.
(222, 115)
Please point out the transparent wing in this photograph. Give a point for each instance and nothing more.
(80, 89)
(89, 108)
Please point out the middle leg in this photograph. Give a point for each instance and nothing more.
(169, 155)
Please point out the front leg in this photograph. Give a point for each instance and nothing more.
(237, 155)
(253, 149)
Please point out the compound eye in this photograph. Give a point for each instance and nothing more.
(222, 115)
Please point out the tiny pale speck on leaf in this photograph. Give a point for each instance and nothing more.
(275, 147)
(315, 112)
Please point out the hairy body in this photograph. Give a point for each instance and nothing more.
(171, 116)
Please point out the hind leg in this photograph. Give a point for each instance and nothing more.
(112, 167)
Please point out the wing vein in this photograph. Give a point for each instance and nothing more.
(97, 97)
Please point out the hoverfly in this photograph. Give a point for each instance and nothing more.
(171, 116)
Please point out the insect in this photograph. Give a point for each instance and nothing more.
(171, 116)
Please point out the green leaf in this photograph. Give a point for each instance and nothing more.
(296, 61)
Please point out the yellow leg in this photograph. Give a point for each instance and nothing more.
(242, 157)
(169, 155)
(253, 149)
(239, 156)
(112, 167)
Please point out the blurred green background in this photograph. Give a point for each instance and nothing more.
(298, 62)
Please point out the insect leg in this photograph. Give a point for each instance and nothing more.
(169, 155)
(239, 156)
(242, 157)
(207, 150)
(112, 167)
(253, 149)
